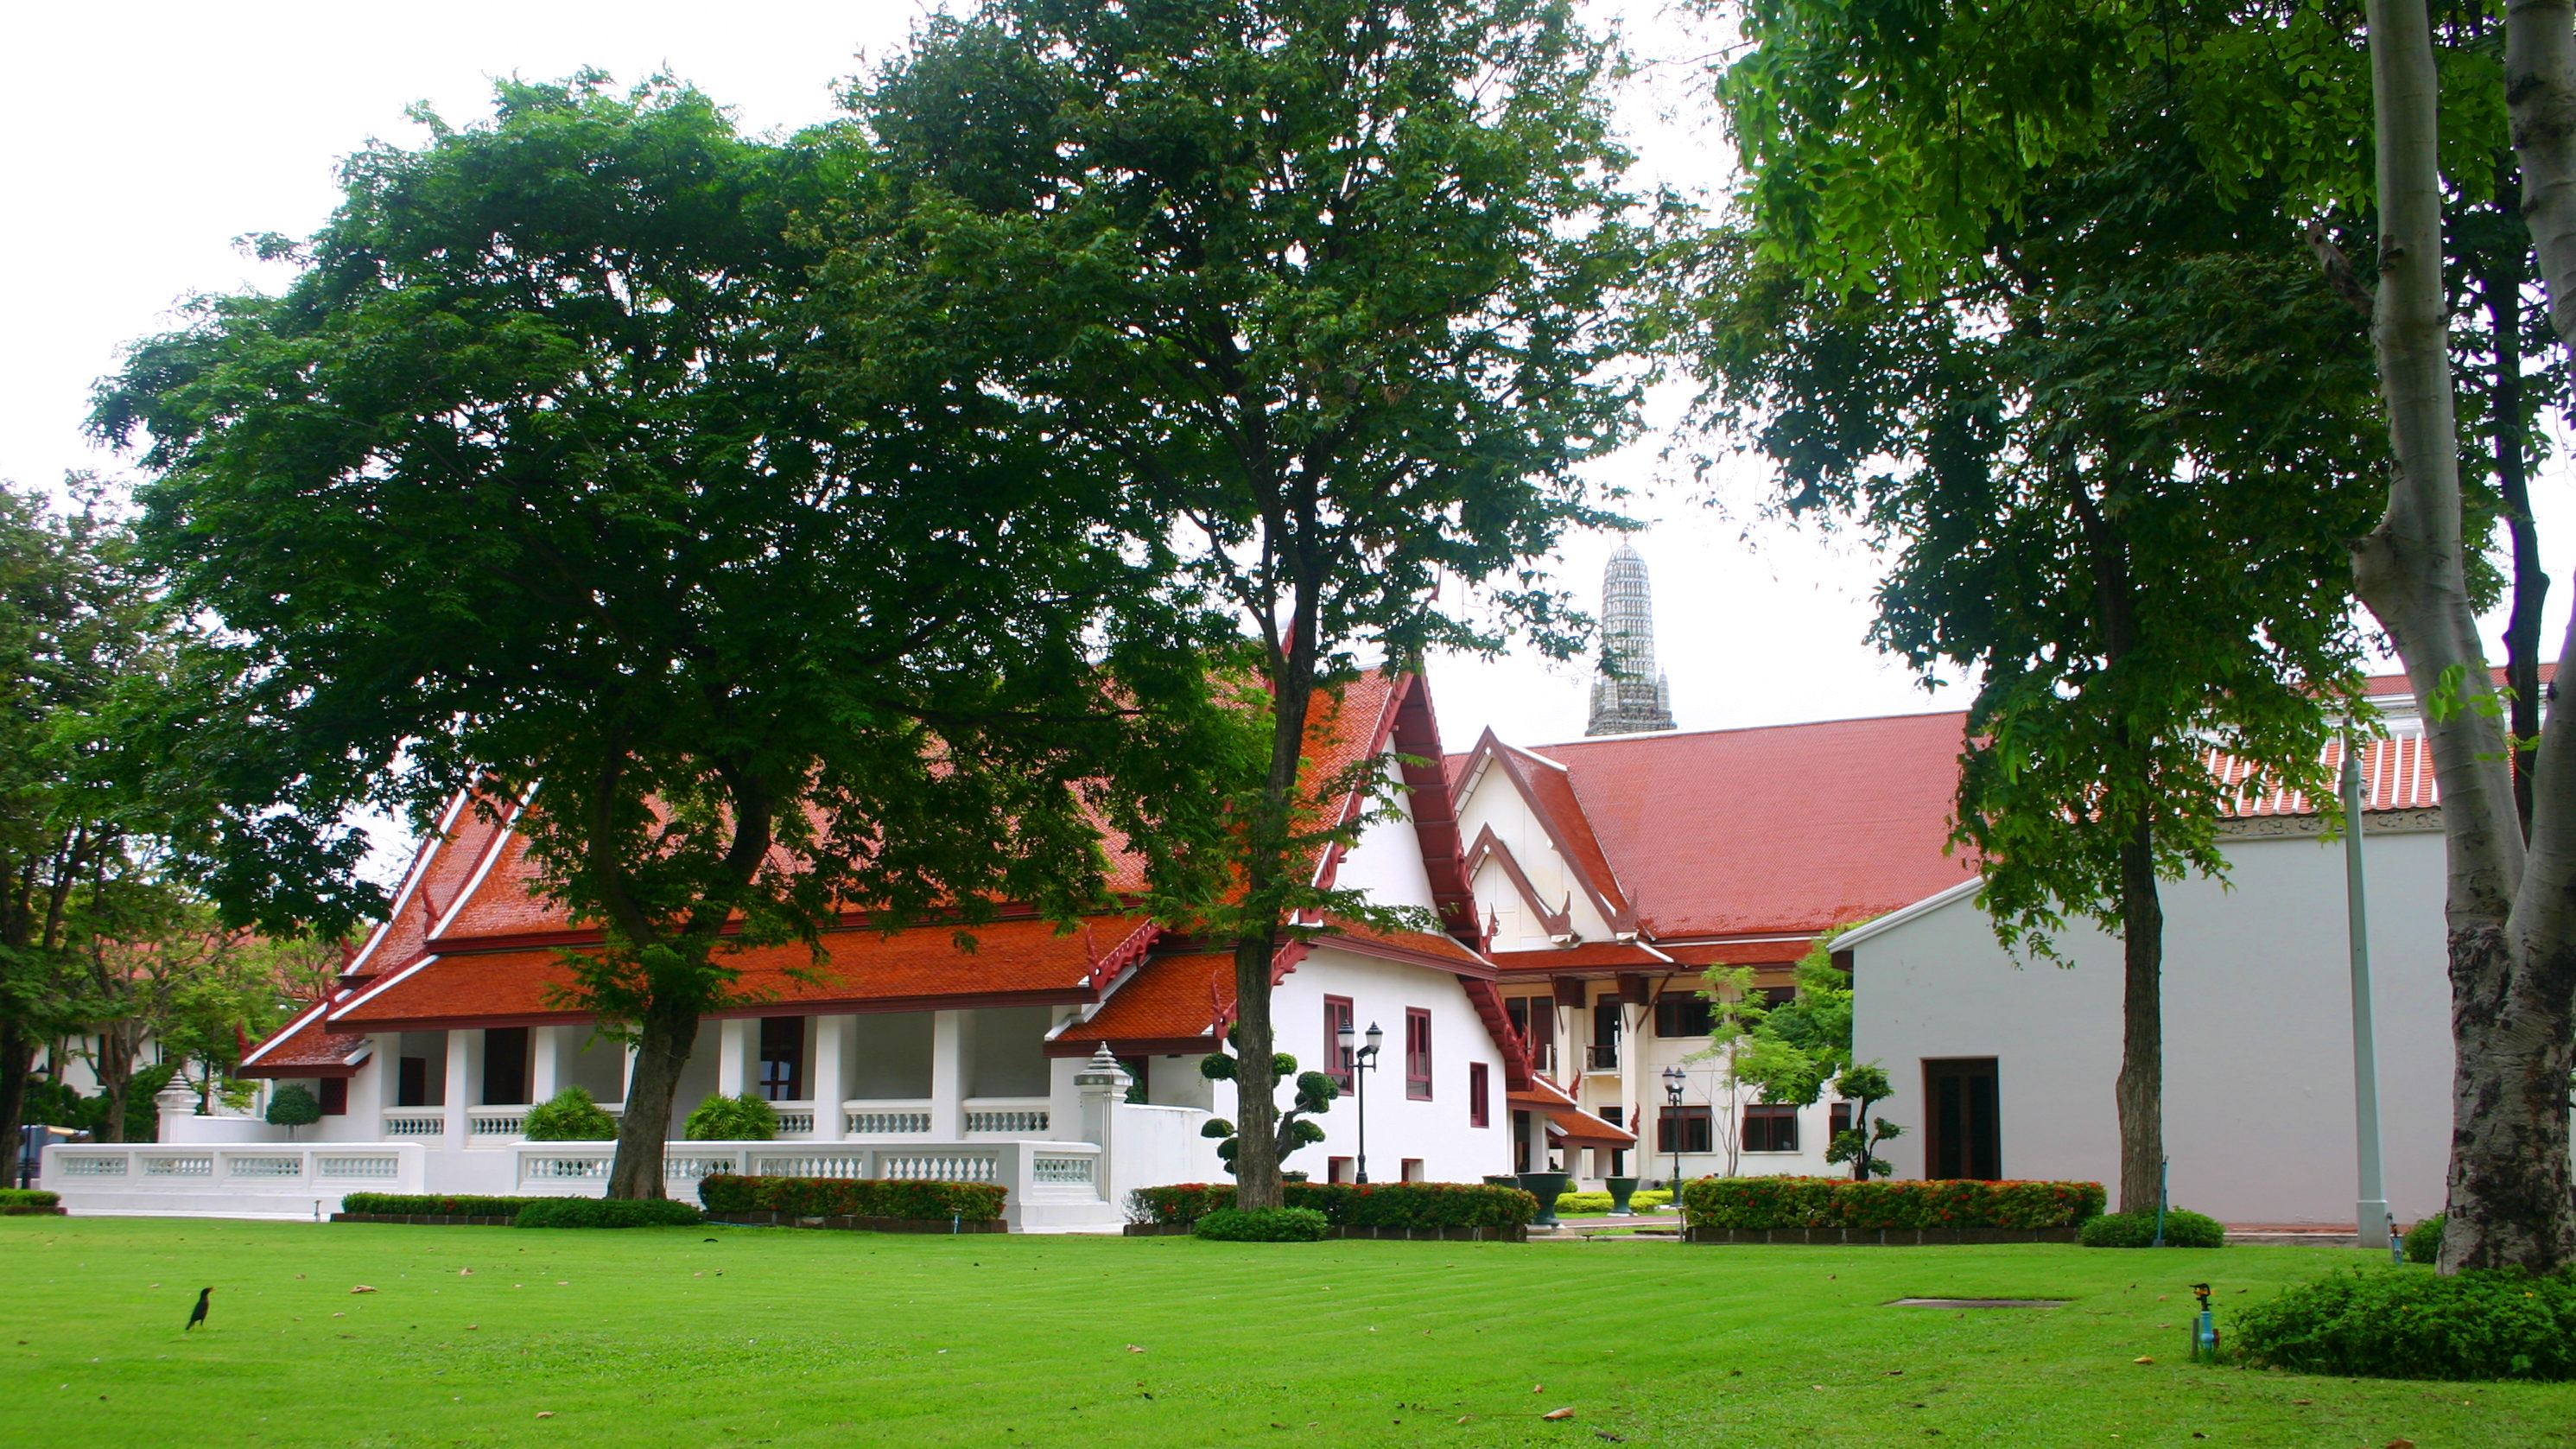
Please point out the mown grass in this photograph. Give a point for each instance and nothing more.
(660, 1337)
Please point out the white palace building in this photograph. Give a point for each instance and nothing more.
(1584, 889)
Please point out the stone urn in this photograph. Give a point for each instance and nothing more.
(1546, 1187)
(1620, 1189)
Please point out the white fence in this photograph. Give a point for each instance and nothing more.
(249, 1181)
(1053, 1186)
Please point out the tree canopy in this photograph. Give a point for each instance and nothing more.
(530, 487)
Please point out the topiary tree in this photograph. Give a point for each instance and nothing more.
(572, 1115)
(1315, 1094)
(294, 1106)
(1864, 1086)
(720, 1118)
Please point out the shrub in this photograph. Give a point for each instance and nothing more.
(1351, 1205)
(1653, 1197)
(2424, 1240)
(2396, 1323)
(746, 1118)
(1583, 1202)
(28, 1197)
(294, 1106)
(1839, 1202)
(571, 1116)
(2138, 1230)
(430, 1205)
(614, 1212)
(823, 1197)
(1262, 1225)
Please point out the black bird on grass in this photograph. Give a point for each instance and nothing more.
(197, 1314)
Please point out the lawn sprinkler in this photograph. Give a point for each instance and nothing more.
(2204, 1329)
(2396, 1244)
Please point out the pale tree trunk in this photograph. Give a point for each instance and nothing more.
(2140, 1089)
(2509, 1186)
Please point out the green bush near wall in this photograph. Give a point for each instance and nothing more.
(1352, 1205)
(23, 1197)
(2424, 1240)
(2183, 1229)
(1839, 1202)
(747, 1118)
(571, 1115)
(818, 1197)
(612, 1212)
(1263, 1225)
(2404, 1323)
(430, 1205)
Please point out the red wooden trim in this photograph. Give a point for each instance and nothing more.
(1337, 1010)
(1498, 1025)
(1558, 923)
(1417, 1084)
(1480, 1096)
(1072, 1044)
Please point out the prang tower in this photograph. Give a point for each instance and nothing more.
(1631, 695)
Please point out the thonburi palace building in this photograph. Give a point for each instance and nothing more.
(1555, 1022)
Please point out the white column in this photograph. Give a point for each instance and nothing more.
(1632, 1075)
(947, 1076)
(378, 1085)
(732, 1037)
(828, 1076)
(545, 1062)
(1103, 1084)
(626, 1073)
(464, 1079)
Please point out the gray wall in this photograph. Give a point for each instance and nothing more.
(890, 1057)
(2258, 1039)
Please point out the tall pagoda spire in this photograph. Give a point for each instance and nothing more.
(1630, 696)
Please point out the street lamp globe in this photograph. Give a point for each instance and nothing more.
(1375, 1037)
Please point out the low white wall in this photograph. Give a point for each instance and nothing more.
(2257, 1023)
(213, 1180)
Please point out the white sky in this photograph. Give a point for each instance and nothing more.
(147, 135)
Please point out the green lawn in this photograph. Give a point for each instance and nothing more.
(660, 1337)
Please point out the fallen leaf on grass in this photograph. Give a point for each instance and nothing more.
(1538, 1388)
(2142, 1358)
(1558, 1414)
(545, 1413)
(362, 1288)
(1131, 1348)
(2401, 1444)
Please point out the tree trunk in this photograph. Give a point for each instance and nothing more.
(1256, 1152)
(2500, 284)
(663, 1041)
(17, 1058)
(115, 1078)
(2140, 1090)
(2509, 1201)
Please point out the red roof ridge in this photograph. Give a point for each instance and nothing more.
(1803, 724)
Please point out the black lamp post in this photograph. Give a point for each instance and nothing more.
(1362, 1061)
(1673, 1080)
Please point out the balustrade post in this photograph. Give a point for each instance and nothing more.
(1103, 1083)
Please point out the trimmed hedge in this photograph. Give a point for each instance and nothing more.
(1839, 1202)
(1262, 1225)
(29, 1197)
(429, 1205)
(2424, 1240)
(2399, 1323)
(1592, 1204)
(1351, 1205)
(613, 1212)
(823, 1197)
(2183, 1229)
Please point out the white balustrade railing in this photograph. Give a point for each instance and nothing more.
(796, 1120)
(132, 1175)
(1048, 1172)
(415, 1122)
(496, 1121)
(1059, 1170)
(871, 1119)
(938, 1166)
(1019, 1119)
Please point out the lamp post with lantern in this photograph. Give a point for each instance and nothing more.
(1674, 1078)
(1361, 1061)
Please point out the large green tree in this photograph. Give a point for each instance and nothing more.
(2114, 454)
(1336, 283)
(523, 487)
(2369, 117)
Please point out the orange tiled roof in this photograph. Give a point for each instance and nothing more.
(1170, 1004)
(1583, 955)
(1015, 962)
(2396, 774)
(306, 1047)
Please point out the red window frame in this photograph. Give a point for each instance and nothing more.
(1338, 1013)
(1417, 1054)
(1479, 1112)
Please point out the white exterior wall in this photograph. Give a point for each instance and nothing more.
(2257, 1024)
(1386, 860)
(1435, 1131)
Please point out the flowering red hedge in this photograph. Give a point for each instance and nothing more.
(1351, 1205)
(817, 1197)
(1839, 1202)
